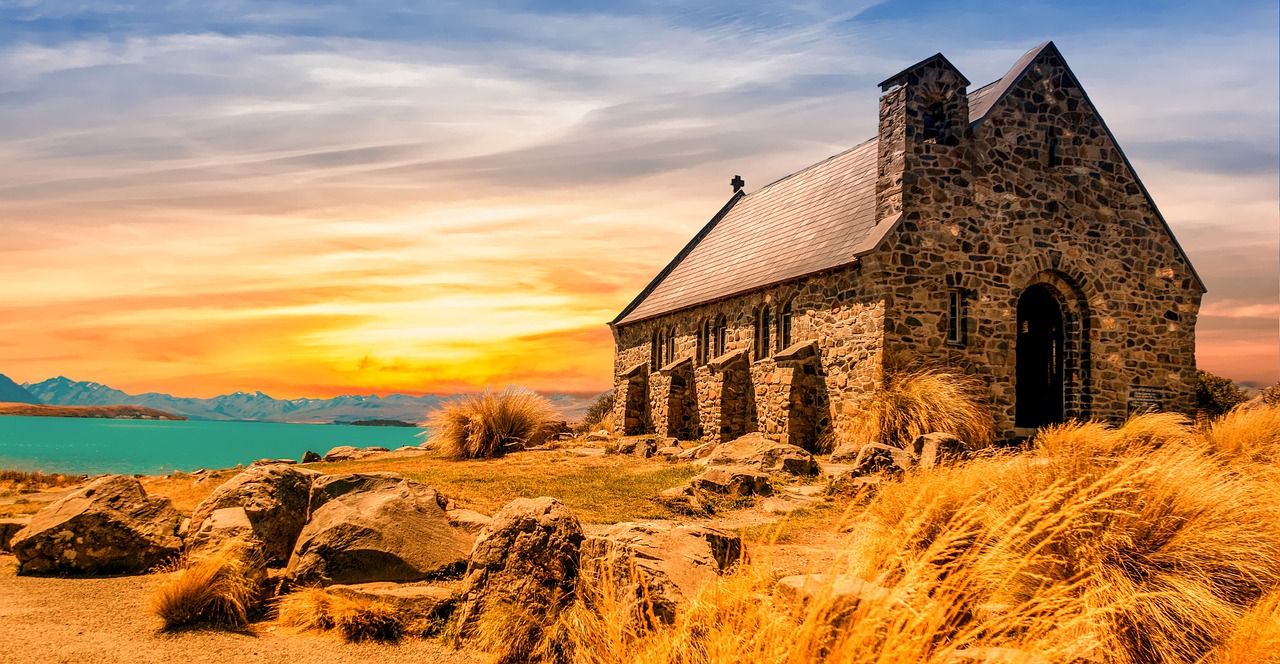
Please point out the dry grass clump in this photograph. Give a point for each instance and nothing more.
(1256, 637)
(355, 620)
(218, 589)
(14, 482)
(1248, 433)
(485, 425)
(914, 403)
(1130, 544)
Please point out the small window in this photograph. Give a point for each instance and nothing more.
(784, 327)
(655, 350)
(671, 347)
(1052, 158)
(934, 126)
(719, 337)
(955, 317)
(763, 321)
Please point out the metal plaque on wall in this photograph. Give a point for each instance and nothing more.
(1145, 399)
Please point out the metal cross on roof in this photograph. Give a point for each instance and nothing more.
(738, 183)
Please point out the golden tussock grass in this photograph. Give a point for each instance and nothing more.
(1137, 544)
(355, 620)
(220, 589)
(1252, 434)
(481, 426)
(917, 402)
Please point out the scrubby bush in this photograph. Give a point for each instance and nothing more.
(355, 620)
(917, 402)
(1217, 395)
(218, 589)
(486, 425)
(599, 414)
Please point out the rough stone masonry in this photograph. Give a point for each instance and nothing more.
(1000, 231)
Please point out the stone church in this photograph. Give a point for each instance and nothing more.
(1000, 231)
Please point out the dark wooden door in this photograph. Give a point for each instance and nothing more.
(1039, 358)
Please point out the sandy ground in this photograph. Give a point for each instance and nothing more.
(47, 620)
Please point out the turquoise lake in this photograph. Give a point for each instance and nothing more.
(91, 446)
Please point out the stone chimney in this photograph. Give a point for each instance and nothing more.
(924, 111)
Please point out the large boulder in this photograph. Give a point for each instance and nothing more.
(275, 500)
(655, 567)
(526, 558)
(377, 527)
(108, 526)
(344, 453)
(845, 452)
(758, 451)
(876, 458)
(733, 481)
(9, 528)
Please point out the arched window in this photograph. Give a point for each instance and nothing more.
(655, 350)
(764, 319)
(784, 326)
(934, 128)
(670, 353)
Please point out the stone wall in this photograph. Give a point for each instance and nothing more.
(1038, 194)
(836, 310)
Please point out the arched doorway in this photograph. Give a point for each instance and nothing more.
(1040, 357)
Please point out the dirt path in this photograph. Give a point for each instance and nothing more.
(47, 620)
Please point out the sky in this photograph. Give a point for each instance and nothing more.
(312, 199)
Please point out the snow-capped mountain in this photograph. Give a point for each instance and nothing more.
(256, 406)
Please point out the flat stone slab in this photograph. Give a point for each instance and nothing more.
(427, 604)
(841, 587)
(786, 503)
(807, 490)
(9, 528)
(586, 451)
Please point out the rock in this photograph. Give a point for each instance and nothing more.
(108, 526)
(683, 498)
(423, 607)
(734, 481)
(376, 527)
(852, 483)
(222, 524)
(671, 563)
(527, 557)
(876, 458)
(672, 451)
(787, 503)
(375, 449)
(9, 528)
(838, 588)
(645, 448)
(697, 452)
(586, 451)
(409, 448)
(935, 448)
(344, 453)
(469, 520)
(598, 436)
(310, 457)
(276, 501)
(845, 452)
(269, 462)
(757, 451)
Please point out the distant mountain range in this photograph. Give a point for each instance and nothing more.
(11, 392)
(256, 406)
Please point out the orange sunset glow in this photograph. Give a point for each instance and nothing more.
(309, 212)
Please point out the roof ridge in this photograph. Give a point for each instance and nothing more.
(813, 165)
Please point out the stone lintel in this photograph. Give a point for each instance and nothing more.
(724, 361)
(635, 370)
(676, 365)
(798, 352)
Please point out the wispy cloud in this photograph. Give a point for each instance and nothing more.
(207, 197)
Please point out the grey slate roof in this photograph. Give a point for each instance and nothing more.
(816, 219)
